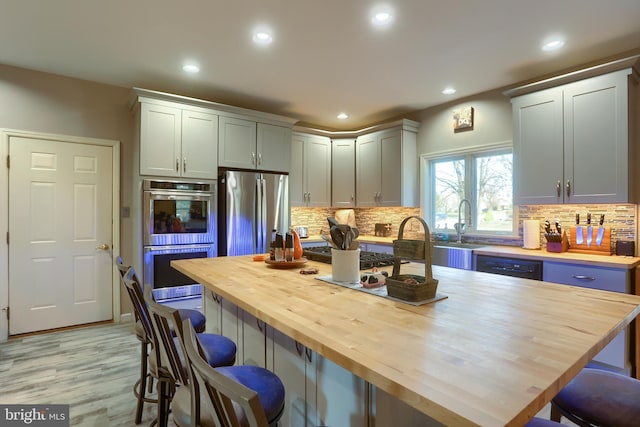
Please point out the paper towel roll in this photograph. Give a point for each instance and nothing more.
(531, 233)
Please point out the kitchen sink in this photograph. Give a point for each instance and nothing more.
(453, 254)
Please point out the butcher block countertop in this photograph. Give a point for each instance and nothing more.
(493, 353)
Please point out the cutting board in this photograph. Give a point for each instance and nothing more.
(603, 249)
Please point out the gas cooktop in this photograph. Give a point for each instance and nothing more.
(367, 259)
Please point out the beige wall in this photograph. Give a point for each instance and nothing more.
(40, 102)
(492, 124)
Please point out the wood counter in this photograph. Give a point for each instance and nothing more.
(493, 353)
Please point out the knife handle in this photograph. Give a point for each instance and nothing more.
(577, 218)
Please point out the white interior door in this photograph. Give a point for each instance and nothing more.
(60, 234)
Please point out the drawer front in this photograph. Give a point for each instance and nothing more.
(608, 279)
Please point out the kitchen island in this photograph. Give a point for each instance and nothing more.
(493, 353)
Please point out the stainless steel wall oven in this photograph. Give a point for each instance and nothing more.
(179, 222)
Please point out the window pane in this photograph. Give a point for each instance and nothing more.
(494, 191)
(448, 183)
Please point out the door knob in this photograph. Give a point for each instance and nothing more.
(104, 247)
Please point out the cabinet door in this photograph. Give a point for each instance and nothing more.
(616, 353)
(343, 173)
(596, 139)
(317, 168)
(341, 395)
(367, 170)
(537, 148)
(160, 128)
(253, 340)
(297, 186)
(390, 168)
(212, 311)
(273, 148)
(199, 145)
(237, 143)
(290, 364)
(229, 325)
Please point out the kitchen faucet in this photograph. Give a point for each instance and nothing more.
(459, 225)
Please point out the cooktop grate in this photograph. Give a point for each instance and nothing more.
(368, 259)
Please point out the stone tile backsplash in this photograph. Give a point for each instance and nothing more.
(622, 219)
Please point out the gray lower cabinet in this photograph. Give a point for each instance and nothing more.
(212, 311)
(616, 353)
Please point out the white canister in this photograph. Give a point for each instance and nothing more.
(345, 265)
(531, 233)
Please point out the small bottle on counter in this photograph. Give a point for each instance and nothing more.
(279, 248)
(288, 247)
(272, 247)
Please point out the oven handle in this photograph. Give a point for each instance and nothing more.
(178, 247)
(261, 205)
(158, 195)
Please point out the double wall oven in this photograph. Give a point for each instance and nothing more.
(179, 223)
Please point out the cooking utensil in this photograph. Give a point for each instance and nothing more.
(579, 236)
(337, 236)
(356, 232)
(600, 231)
(329, 240)
(348, 237)
(589, 230)
(332, 221)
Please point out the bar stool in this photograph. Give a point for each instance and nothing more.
(599, 397)
(143, 330)
(172, 364)
(235, 396)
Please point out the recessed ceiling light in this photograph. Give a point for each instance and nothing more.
(448, 91)
(262, 37)
(343, 116)
(553, 44)
(382, 16)
(191, 68)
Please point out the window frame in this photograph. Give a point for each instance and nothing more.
(469, 155)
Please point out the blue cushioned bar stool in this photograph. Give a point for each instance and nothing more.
(597, 397)
(236, 396)
(172, 366)
(142, 330)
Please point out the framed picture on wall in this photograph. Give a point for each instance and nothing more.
(463, 119)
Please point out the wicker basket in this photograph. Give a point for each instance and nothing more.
(413, 250)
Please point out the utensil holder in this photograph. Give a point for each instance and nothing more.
(412, 250)
(345, 265)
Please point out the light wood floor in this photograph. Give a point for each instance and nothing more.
(92, 369)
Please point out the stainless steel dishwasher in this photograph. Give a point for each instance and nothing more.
(523, 268)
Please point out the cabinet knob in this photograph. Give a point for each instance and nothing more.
(177, 164)
(184, 165)
(559, 188)
(568, 186)
(253, 158)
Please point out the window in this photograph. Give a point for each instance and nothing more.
(483, 178)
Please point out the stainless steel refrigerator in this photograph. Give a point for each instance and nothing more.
(250, 206)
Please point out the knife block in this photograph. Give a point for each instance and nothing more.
(604, 248)
(559, 247)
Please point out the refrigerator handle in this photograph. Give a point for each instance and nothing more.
(261, 216)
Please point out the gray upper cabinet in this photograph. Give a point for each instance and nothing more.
(386, 167)
(245, 144)
(310, 177)
(574, 143)
(177, 142)
(343, 173)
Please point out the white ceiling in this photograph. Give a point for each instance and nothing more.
(326, 56)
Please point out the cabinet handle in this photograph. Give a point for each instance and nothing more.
(253, 158)
(299, 348)
(177, 164)
(583, 277)
(568, 186)
(353, 197)
(184, 164)
(215, 297)
(309, 354)
(559, 188)
(259, 158)
(259, 325)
